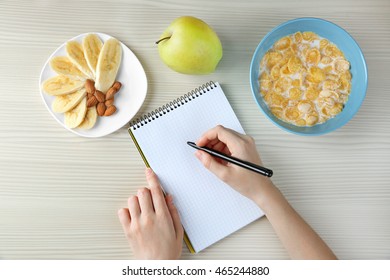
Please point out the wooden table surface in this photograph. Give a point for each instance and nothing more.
(59, 193)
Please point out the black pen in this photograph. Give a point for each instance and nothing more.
(242, 163)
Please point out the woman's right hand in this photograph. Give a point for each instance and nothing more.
(300, 240)
(230, 142)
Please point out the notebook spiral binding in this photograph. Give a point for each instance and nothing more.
(182, 100)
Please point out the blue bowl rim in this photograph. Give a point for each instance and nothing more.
(253, 62)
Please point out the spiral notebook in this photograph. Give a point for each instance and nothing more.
(209, 209)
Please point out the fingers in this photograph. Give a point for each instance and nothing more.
(213, 165)
(134, 208)
(145, 201)
(225, 135)
(221, 147)
(156, 191)
(175, 218)
(124, 218)
(213, 142)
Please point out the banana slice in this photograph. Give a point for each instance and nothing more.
(90, 118)
(92, 46)
(108, 64)
(76, 55)
(64, 103)
(75, 117)
(62, 65)
(60, 85)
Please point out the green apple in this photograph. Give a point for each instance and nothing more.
(190, 46)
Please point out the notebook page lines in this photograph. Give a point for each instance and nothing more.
(201, 198)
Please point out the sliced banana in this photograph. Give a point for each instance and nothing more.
(76, 55)
(108, 64)
(75, 117)
(60, 85)
(64, 103)
(92, 46)
(63, 65)
(90, 119)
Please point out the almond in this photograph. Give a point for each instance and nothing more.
(90, 86)
(92, 101)
(89, 95)
(109, 102)
(101, 109)
(110, 93)
(110, 110)
(117, 85)
(100, 96)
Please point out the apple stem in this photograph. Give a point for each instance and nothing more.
(162, 39)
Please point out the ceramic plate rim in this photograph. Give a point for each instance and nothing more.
(122, 120)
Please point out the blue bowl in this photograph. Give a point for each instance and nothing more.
(344, 42)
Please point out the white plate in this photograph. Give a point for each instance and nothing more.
(128, 100)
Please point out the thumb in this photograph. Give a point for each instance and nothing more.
(213, 165)
(175, 217)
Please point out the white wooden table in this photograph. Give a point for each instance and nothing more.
(59, 193)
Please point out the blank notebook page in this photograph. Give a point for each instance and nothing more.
(209, 209)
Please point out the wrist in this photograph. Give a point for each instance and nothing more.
(266, 194)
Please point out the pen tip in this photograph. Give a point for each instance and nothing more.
(192, 144)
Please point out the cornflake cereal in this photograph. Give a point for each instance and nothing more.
(305, 79)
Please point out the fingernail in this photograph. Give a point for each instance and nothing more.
(170, 199)
(148, 171)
